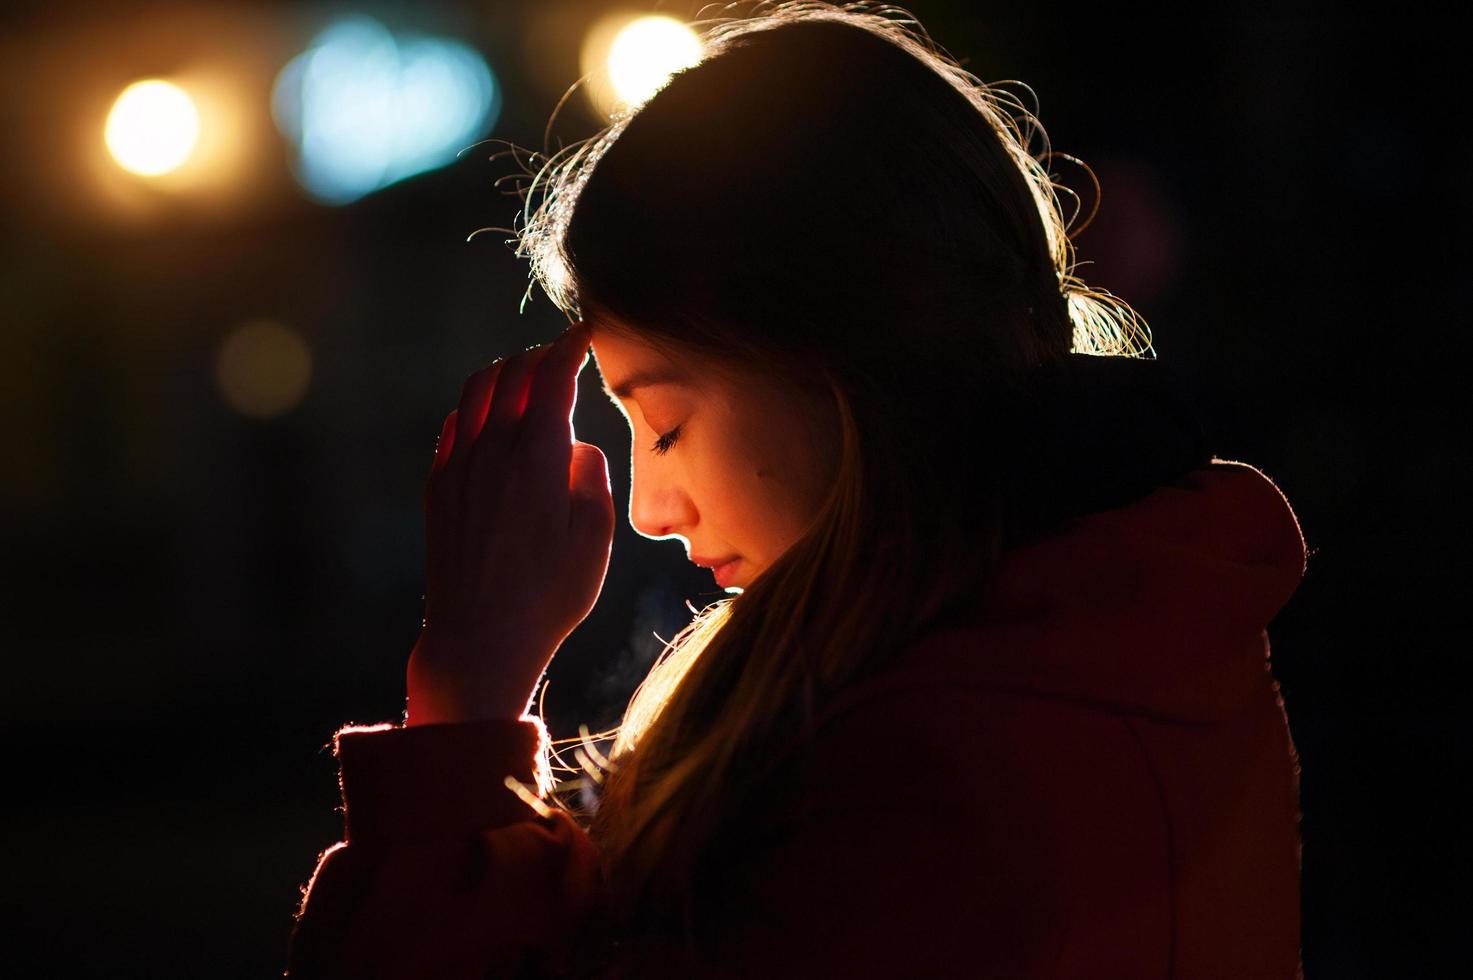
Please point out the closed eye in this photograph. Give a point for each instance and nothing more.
(662, 445)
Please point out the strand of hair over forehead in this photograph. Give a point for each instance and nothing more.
(1103, 323)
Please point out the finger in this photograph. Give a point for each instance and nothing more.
(554, 386)
(547, 430)
(510, 397)
(446, 441)
(475, 397)
(591, 516)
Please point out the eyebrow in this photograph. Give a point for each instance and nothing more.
(643, 379)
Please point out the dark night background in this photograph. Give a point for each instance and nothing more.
(195, 599)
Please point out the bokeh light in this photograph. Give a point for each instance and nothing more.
(153, 127)
(628, 59)
(365, 108)
(263, 369)
(647, 52)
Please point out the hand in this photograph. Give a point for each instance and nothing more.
(519, 526)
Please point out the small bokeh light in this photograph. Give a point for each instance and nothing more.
(626, 60)
(153, 128)
(366, 108)
(263, 369)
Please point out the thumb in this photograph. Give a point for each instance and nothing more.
(590, 492)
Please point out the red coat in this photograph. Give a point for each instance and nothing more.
(1095, 781)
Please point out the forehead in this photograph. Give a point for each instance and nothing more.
(627, 363)
(619, 347)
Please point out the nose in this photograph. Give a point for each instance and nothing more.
(658, 507)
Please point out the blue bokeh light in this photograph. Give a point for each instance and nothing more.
(365, 108)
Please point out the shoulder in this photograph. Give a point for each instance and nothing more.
(1254, 518)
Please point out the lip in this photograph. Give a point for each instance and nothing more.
(722, 568)
(724, 573)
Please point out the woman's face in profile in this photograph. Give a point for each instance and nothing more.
(735, 467)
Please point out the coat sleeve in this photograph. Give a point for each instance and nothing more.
(444, 872)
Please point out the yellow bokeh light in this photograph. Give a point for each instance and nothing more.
(647, 52)
(628, 59)
(152, 128)
(263, 369)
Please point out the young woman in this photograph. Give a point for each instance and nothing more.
(991, 695)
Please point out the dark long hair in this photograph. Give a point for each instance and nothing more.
(830, 197)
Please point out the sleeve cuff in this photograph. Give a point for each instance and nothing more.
(427, 782)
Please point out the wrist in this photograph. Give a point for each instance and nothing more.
(441, 690)
(441, 707)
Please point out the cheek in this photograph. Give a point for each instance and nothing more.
(796, 474)
(735, 482)
(775, 491)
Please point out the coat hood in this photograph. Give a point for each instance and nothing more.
(1141, 570)
(1158, 607)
